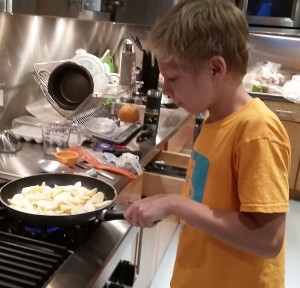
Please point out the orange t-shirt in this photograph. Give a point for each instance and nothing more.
(240, 163)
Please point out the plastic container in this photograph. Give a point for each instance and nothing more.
(91, 62)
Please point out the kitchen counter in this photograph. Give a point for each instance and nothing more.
(94, 261)
(268, 96)
(23, 163)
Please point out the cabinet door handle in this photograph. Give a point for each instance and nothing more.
(138, 252)
(285, 111)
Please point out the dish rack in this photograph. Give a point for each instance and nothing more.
(95, 105)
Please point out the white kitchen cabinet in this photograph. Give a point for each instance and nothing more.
(153, 242)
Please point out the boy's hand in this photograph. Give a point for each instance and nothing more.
(148, 211)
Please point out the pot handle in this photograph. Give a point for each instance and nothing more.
(109, 215)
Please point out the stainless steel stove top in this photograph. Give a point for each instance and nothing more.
(80, 256)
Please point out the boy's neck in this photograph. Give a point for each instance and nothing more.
(232, 96)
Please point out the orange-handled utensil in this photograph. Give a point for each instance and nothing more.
(92, 160)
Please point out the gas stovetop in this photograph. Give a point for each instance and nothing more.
(26, 262)
(29, 255)
(69, 237)
(35, 257)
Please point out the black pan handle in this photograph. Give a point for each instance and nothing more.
(109, 215)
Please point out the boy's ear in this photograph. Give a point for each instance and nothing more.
(217, 66)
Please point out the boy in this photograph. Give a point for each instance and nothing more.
(235, 196)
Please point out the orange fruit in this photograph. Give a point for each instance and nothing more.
(129, 113)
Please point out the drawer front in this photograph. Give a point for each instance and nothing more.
(284, 110)
(150, 184)
(173, 159)
(154, 184)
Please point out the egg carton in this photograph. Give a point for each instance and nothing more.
(28, 133)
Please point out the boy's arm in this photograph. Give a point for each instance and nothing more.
(257, 233)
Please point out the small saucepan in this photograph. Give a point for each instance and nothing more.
(70, 84)
(62, 179)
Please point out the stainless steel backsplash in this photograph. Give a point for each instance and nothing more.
(276, 46)
(26, 39)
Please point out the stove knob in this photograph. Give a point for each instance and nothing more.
(127, 273)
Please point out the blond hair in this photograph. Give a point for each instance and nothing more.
(195, 30)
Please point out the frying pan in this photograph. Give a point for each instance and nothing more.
(63, 179)
(70, 84)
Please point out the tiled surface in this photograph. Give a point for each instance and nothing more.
(163, 275)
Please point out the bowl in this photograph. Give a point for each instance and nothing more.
(67, 157)
(101, 126)
(70, 84)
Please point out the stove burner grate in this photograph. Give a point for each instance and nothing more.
(28, 263)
